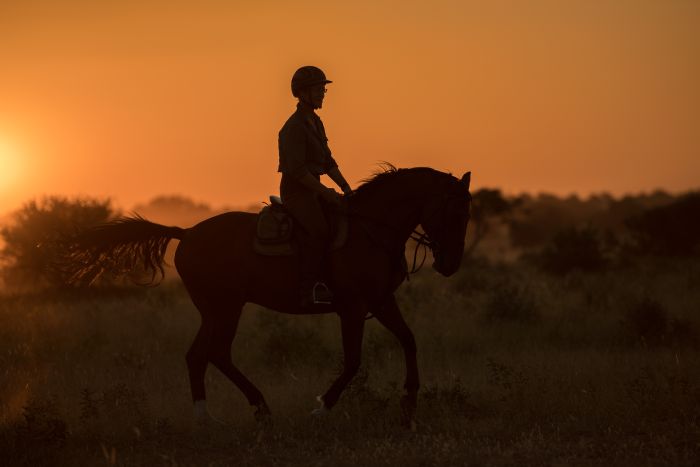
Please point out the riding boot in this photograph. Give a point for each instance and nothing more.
(313, 290)
(312, 238)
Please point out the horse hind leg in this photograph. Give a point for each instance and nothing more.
(197, 367)
(220, 357)
(213, 344)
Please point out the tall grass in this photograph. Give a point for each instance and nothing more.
(517, 368)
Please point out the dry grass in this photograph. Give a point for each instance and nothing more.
(518, 368)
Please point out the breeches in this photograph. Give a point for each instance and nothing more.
(312, 234)
(306, 210)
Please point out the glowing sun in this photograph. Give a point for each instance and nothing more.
(10, 164)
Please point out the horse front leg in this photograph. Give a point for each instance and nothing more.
(352, 322)
(389, 314)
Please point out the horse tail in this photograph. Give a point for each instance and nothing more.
(128, 246)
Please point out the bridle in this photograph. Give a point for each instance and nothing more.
(422, 239)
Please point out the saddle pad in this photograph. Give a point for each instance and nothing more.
(286, 248)
(274, 225)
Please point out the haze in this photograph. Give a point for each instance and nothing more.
(130, 100)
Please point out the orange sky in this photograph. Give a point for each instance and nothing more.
(131, 99)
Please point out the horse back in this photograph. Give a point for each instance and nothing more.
(219, 238)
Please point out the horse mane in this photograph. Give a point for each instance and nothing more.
(388, 171)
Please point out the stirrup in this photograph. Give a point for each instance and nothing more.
(321, 294)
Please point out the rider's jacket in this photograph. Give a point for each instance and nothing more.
(303, 145)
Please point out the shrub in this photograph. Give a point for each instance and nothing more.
(671, 230)
(487, 204)
(648, 321)
(43, 423)
(32, 240)
(573, 249)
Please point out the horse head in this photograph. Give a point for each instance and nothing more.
(444, 220)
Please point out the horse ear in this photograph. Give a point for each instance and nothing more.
(466, 179)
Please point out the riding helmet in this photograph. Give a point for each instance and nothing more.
(307, 76)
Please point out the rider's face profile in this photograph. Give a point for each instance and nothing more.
(315, 95)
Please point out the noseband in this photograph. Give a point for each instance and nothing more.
(422, 239)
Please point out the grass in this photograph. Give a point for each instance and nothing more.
(517, 367)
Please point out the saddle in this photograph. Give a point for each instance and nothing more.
(274, 232)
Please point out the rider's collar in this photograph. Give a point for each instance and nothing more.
(305, 108)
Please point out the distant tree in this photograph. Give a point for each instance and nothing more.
(669, 230)
(174, 209)
(487, 204)
(31, 239)
(536, 220)
(572, 249)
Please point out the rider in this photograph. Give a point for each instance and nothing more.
(303, 157)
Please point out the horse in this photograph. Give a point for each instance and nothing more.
(221, 272)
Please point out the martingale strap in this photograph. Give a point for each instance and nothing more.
(421, 239)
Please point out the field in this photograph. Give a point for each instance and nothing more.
(518, 368)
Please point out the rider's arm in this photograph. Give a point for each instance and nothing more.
(310, 182)
(338, 178)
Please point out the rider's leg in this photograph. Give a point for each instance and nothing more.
(312, 238)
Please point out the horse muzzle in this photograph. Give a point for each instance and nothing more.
(446, 269)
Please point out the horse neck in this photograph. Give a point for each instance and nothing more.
(394, 208)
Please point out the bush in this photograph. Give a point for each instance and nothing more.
(672, 230)
(648, 321)
(487, 204)
(573, 249)
(32, 240)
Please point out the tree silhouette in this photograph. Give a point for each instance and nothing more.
(670, 230)
(175, 209)
(31, 240)
(574, 249)
(487, 204)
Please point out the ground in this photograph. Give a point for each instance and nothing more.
(517, 368)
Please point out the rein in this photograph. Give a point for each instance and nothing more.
(421, 238)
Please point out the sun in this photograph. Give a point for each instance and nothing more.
(10, 164)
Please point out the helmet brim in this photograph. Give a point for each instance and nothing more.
(314, 83)
(296, 89)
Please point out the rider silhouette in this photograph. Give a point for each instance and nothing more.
(303, 157)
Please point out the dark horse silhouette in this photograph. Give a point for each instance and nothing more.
(221, 272)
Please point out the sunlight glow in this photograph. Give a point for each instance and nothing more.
(10, 165)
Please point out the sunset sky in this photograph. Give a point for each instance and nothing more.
(134, 99)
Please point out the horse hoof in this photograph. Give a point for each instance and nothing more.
(408, 413)
(263, 416)
(321, 411)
